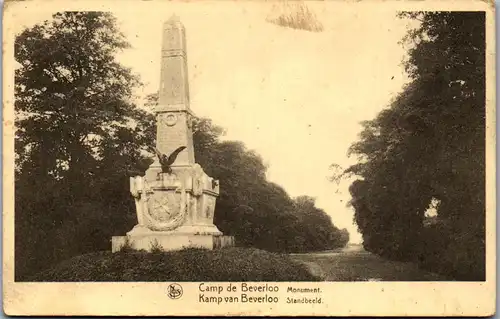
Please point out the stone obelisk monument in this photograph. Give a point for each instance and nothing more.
(175, 200)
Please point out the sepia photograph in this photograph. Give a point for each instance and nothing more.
(249, 154)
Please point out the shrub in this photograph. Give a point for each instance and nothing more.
(192, 264)
(127, 246)
(156, 247)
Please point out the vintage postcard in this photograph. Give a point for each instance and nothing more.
(265, 158)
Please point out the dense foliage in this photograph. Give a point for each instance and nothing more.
(79, 135)
(227, 264)
(77, 132)
(429, 144)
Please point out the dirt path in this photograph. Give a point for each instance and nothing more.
(354, 264)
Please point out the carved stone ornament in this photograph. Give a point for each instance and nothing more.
(198, 178)
(166, 210)
(210, 206)
(170, 119)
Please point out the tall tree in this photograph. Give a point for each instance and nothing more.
(72, 98)
(78, 130)
(430, 143)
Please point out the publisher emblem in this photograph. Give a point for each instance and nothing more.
(174, 291)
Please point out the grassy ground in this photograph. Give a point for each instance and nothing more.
(228, 264)
(359, 265)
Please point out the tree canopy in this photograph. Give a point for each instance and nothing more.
(429, 144)
(77, 132)
(73, 99)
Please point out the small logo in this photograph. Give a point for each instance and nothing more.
(174, 291)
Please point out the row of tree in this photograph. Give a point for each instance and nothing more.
(78, 135)
(257, 212)
(429, 145)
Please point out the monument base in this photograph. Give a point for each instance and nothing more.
(173, 240)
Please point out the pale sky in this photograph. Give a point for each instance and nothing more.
(295, 97)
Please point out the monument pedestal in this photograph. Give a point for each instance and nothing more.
(172, 240)
(174, 211)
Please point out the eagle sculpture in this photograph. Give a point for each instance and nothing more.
(167, 161)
